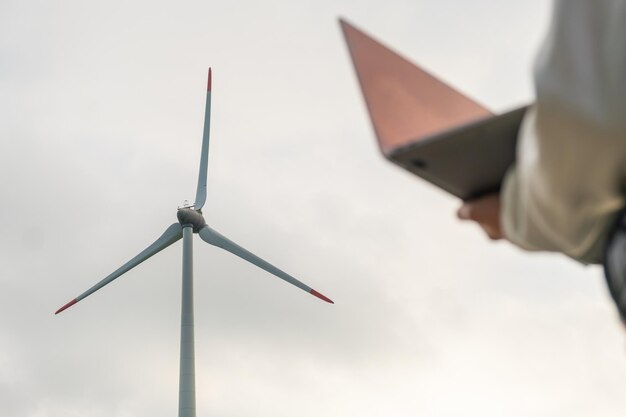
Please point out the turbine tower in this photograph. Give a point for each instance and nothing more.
(190, 221)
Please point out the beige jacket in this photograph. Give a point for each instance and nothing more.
(568, 181)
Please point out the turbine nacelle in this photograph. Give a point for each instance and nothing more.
(188, 216)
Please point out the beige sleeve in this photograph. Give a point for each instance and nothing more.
(568, 181)
(565, 188)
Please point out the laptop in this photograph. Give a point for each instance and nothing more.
(429, 128)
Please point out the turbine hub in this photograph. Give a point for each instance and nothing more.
(191, 217)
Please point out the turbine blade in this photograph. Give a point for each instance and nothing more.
(204, 153)
(214, 238)
(171, 235)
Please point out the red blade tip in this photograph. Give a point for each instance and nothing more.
(68, 305)
(208, 85)
(321, 296)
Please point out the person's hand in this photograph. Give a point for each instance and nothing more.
(486, 212)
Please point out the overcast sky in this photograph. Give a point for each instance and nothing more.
(102, 106)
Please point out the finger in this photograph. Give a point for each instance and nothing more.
(492, 233)
(465, 212)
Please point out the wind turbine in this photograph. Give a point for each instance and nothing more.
(190, 220)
